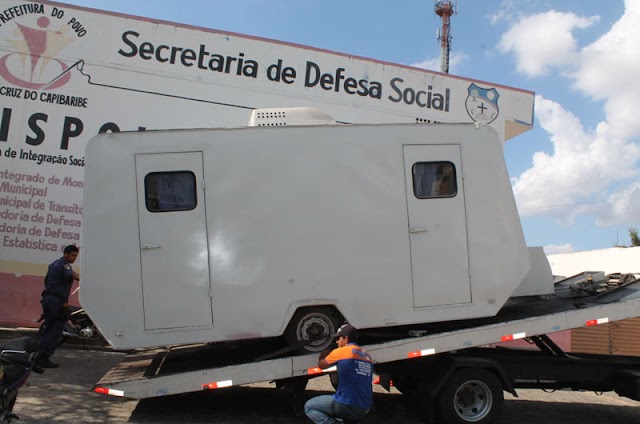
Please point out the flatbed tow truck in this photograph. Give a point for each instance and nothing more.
(446, 368)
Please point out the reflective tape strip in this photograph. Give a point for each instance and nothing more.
(217, 385)
(597, 321)
(513, 337)
(423, 352)
(107, 391)
(317, 370)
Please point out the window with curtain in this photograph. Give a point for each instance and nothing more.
(170, 191)
(434, 179)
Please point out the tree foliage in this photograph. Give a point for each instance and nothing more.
(633, 235)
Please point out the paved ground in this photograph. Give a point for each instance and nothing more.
(63, 395)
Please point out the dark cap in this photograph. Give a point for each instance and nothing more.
(346, 330)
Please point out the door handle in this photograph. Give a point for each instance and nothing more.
(413, 230)
(149, 246)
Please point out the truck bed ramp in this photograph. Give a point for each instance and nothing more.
(183, 369)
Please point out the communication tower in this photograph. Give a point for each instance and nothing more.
(445, 9)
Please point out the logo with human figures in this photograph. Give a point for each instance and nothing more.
(33, 65)
(482, 104)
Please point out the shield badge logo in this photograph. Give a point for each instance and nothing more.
(482, 104)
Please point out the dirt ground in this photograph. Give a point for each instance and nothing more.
(64, 395)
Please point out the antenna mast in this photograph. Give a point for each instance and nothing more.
(445, 9)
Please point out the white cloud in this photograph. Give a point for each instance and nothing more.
(543, 41)
(623, 206)
(502, 13)
(508, 10)
(582, 167)
(455, 60)
(609, 69)
(429, 64)
(554, 249)
(595, 170)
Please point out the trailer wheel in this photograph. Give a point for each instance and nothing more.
(470, 396)
(312, 327)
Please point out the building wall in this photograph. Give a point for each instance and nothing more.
(625, 260)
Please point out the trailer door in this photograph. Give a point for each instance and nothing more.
(174, 250)
(437, 225)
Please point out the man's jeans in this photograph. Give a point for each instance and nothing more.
(324, 410)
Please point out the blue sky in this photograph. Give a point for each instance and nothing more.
(575, 175)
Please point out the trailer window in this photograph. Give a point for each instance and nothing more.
(170, 191)
(434, 179)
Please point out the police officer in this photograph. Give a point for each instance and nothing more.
(353, 398)
(57, 287)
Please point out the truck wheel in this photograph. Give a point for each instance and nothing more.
(470, 396)
(312, 327)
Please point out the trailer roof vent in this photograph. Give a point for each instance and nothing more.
(279, 117)
(425, 121)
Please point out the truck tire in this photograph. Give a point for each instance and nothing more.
(312, 329)
(470, 395)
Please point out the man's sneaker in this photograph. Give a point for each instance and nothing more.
(45, 362)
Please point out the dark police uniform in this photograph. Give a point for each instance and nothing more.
(57, 283)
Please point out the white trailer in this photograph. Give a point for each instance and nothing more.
(444, 368)
(195, 236)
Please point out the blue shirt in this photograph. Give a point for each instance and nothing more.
(355, 368)
(59, 279)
